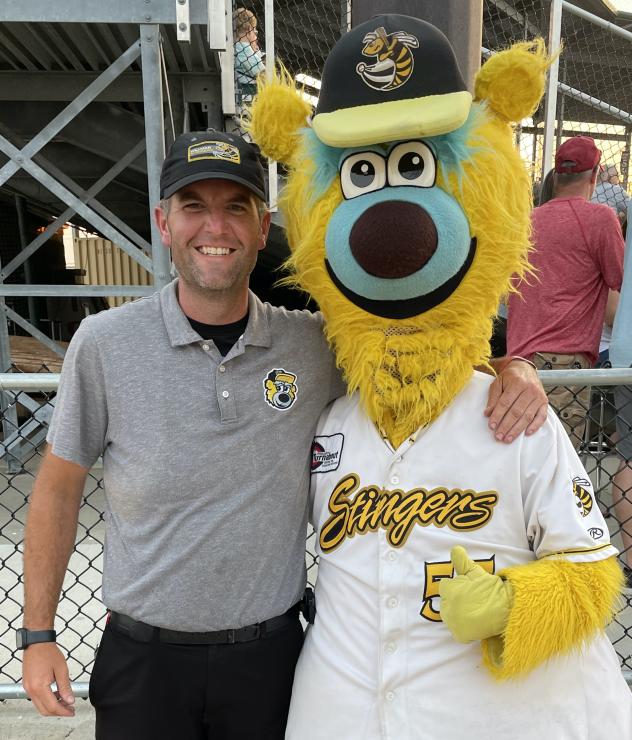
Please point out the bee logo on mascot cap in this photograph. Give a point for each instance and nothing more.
(395, 60)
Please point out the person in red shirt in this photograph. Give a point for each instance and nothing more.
(556, 317)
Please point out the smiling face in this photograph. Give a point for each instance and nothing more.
(214, 231)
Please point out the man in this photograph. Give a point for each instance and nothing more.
(609, 192)
(556, 317)
(203, 402)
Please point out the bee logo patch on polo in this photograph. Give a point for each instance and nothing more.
(214, 150)
(583, 499)
(280, 389)
(394, 59)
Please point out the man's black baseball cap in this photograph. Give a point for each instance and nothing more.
(211, 155)
(393, 77)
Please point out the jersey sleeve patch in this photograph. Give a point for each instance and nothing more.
(326, 453)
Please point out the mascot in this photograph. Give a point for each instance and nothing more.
(463, 586)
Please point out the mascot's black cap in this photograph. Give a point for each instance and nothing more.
(393, 77)
(211, 155)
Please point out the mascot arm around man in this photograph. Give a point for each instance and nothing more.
(463, 585)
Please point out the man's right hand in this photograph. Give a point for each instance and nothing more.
(42, 665)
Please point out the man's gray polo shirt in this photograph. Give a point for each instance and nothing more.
(205, 459)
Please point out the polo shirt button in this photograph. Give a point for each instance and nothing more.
(222, 369)
(225, 394)
(392, 602)
(390, 695)
(205, 347)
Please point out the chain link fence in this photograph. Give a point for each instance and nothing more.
(27, 403)
(594, 97)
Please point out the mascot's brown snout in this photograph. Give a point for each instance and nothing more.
(393, 239)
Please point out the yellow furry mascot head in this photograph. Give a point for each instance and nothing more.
(407, 206)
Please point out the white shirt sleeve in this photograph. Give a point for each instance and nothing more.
(562, 516)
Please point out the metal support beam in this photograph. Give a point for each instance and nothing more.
(597, 21)
(227, 67)
(273, 171)
(98, 11)
(69, 212)
(33, 331)
(70, 111)
(155, 139)
(20, 210)
(7, 407)
(183, 23)
(83, 210)
(555, 34)
(76, 290)
(217, 14)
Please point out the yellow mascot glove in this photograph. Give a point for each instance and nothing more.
(475, 604)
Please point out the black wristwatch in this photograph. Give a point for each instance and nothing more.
(24, 637)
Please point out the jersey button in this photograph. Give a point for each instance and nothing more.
(205, 347)
(225, 394)
(392, 556)
(392, 602)
(394, 480)
(390, 647)
(222, 369)
(390, 695)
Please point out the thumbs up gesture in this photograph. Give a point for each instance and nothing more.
(475, 604)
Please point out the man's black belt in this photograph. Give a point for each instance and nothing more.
(147, 633)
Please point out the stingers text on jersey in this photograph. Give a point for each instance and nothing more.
(397, 511)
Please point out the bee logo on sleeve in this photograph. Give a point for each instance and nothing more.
(583, 497)
(280, 389)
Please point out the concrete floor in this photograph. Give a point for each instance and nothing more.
(20, 721)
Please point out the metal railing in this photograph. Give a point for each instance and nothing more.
(27, 401)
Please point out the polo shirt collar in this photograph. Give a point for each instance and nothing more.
(181, 332)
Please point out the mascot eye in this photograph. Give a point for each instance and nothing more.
(362, 173)
(412, 163)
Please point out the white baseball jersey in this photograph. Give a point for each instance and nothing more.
(378, 663)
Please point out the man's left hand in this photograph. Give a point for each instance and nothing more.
(516, 402)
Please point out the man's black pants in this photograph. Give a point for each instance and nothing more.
(160, 691)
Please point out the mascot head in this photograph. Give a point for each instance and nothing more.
(407, 206)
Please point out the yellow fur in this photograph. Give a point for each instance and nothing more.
(277, 114)
(558, 606)
(408, 371)
(512, 81)
(406, 378)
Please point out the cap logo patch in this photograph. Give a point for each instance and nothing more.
(213, 150)
(280, 389)
(394, 59)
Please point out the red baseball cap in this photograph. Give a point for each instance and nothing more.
(578, 154)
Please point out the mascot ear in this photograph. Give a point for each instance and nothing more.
(512, 81)
(276, 116)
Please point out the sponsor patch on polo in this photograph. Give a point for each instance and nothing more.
(326, 453)
(213, 150)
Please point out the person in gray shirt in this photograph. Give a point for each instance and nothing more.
(203, 403)
(609, 191)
